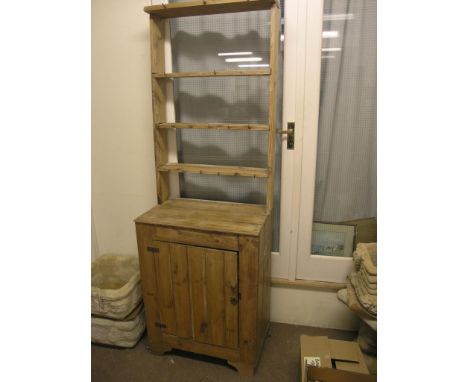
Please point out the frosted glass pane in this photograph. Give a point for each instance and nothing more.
(221, 99)
(224, 188)
(196, 44)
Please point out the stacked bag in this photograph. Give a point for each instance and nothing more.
(363, 282)
(117, 314)
(361, 295)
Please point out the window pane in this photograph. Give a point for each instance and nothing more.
(237, 41)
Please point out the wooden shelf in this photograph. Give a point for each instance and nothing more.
(161, 77)
(214, 73)
(213, 126)
(207, 7)
(215, 170)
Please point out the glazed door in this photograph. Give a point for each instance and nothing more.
(198, 293)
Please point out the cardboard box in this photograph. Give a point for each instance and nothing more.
(344, 357)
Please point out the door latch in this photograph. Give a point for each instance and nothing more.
(235, 300)
(290, 133)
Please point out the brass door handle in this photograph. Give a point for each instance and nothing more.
(290, 134)
(288, 131)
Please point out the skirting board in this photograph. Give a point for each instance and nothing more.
(308, 307)
(306, 284)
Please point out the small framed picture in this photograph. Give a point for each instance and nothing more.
(329, 239)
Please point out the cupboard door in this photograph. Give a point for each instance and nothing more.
(198, 291)
(214, 295)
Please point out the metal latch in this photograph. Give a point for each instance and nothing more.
(290, 133)
(234, 300)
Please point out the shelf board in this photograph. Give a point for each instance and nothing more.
(208, 215)
(214, 126)
(207, 7)
(214, 73)
(215, 170)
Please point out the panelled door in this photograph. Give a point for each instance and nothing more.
(198, 293)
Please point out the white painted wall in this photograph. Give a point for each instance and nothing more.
(311, 308)
(94, 243)
(123, 178)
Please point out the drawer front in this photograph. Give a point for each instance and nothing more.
(202, 239)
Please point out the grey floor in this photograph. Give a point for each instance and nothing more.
(279, 361)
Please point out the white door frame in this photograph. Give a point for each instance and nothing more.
(283, 263)
(303, 26)
(302, 61)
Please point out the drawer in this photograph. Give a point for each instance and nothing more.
(198, 238)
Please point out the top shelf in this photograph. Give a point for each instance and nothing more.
(207, 7)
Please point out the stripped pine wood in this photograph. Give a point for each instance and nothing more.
(207, 7)
(213, 215)
(218, 226)
(199, 347)
(231, 295)
(204, 216)
(157, 32)
(146, 259)
(260, 291)
(165, 293)
(211, 205)
(248, 284)
(215, 170)
(148, 283)
(214, 126)
(205, 265)
(264, 281)
(214, 264)
(205, 239)
(196, 261)
(267, 273)
(274, 44)
(214, 73)
(215, 320)
(180, 285)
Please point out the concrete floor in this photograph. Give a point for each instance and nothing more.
(279, 361)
